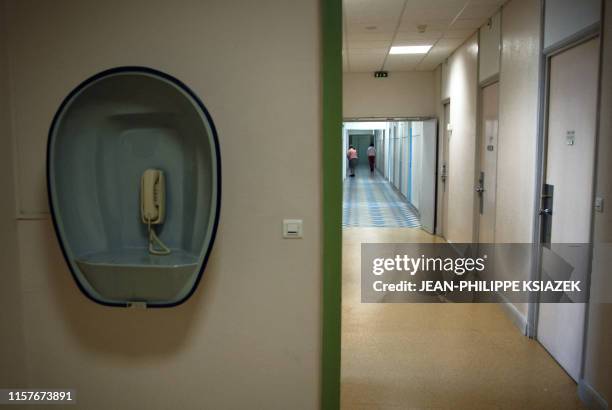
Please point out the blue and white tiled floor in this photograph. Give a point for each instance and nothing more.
(371, 201)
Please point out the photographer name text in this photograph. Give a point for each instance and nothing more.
(479, 286)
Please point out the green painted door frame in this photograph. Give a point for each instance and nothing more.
(331, 23)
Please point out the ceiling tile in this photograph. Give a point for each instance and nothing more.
(369, 51)
(370, 27)
(497, 3)
(459, 33)
(367, 9)
(447, 44)
(440, 49)
(406, 62)
(373, 36)
(435, 4)
(422, 15)
(483, 11)
(428, 35)
(368, 44)
(432, 25)
(414, 43)
(463, 24)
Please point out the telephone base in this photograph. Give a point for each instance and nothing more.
(135, 274)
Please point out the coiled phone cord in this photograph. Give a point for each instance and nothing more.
(154, 241)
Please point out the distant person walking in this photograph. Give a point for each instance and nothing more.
(372, 157)
(352, 159)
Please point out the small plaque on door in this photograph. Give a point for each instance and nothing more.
(570, 137)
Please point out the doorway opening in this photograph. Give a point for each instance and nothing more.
(389, 173)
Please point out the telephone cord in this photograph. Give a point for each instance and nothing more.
(154, 241)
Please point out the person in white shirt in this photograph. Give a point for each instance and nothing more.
(372, 157)
(352, 159)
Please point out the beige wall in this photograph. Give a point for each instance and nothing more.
(598, 361)
(489, 48)
(402, 94)
(239, 342)
(518, 121)
(518, 130)
(12, 355)
(517, 135)
(460, 85)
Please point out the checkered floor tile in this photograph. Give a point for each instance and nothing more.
(371, 201)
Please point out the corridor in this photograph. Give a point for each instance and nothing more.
(489, 125)
(371, 201)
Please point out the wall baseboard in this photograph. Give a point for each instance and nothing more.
(519, 319)
(590, 397)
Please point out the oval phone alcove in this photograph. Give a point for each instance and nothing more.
(134, 182)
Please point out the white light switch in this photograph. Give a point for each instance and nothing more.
(292, 228)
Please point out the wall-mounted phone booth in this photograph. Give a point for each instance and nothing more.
(134, 181)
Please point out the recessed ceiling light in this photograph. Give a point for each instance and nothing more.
(409, 49)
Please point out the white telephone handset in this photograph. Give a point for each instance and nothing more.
(153, 207)
(152, 196)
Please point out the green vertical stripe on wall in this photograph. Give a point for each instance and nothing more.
(331, 14)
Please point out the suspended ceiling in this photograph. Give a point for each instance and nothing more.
(371, 27)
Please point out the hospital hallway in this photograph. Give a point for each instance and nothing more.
(438, 355)
(489, 149)
(371, 201)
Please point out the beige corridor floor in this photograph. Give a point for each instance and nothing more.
(438, 356)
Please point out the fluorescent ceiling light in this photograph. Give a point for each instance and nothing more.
(409, 49)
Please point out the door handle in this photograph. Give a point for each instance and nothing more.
(545, 211)
(479, 189)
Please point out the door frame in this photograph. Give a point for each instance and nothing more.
(331, 146)
(580, 38)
